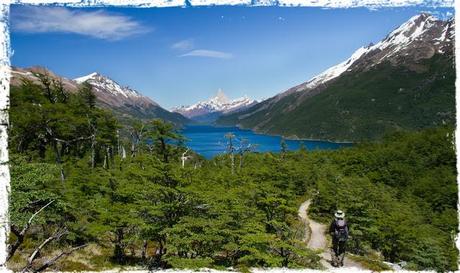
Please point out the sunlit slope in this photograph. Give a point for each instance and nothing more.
(364, 105)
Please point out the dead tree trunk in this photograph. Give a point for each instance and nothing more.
(184, 158)
(56, 236)
(53, 260)
(123, 152)
(119, 252)
(144, 250)
(93, 152)
(58, 158)
(232, 157)
(21, 234)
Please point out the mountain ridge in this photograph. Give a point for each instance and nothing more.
(209, 110)
(124, 101)
(407, 48)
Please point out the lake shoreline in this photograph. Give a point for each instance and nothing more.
(209, 140)
(276, 135)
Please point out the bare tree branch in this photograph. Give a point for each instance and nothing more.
(33, 216)
(184, 158)
(20, 235)
(15, 230)
(56, 236)
(73, 140)
(53, 260)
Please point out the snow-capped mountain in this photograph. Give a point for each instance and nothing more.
(419, 38)
(214, 107)
(125, 102)
(31, 73)
(110, 92)
(407, 76)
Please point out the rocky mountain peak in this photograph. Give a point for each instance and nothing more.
(388, 81)
(112, 93)
(92, 76)
(420, 28)
(221, 97)
(218, 104)
(124, 101)
(420, 37)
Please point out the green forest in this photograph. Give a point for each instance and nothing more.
(88, 193)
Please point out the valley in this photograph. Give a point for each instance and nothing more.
(103, 177)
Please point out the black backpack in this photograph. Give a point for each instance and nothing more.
(340, 230)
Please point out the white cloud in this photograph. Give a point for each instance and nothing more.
(208, 53)
(97, 24)
(183, 45)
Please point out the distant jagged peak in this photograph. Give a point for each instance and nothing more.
(220, 97)
(218, 103)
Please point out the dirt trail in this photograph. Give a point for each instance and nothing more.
(315, 237)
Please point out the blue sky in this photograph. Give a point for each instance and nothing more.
(178, 56)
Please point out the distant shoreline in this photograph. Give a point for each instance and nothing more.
(277, 135)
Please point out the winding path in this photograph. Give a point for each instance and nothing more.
(315, 237)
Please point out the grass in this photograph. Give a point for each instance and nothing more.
(369, 263)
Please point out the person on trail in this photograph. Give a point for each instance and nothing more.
(339, 233)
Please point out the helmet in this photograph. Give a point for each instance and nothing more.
(339, 214)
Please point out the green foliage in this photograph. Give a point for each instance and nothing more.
(87, 95)
(48, 127)
(145, 209)
(162, 134)
(393, 199)
(371, 264)
(40, 209)
(33, 185)
(189, 263)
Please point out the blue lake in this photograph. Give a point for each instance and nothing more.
(209, 141)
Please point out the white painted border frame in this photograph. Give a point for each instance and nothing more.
(5, 53)
(282, 3)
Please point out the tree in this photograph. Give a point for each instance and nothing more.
(40, 214)
(231, 149)
(44, 121)
(163, 135)
(137, 132)
(87, 95)
(283, 144)
(400, 195)
(184, 158)
(244, 147)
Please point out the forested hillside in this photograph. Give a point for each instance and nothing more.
(364, 105)
(84, 198)
(405, 82)
(124, 102)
